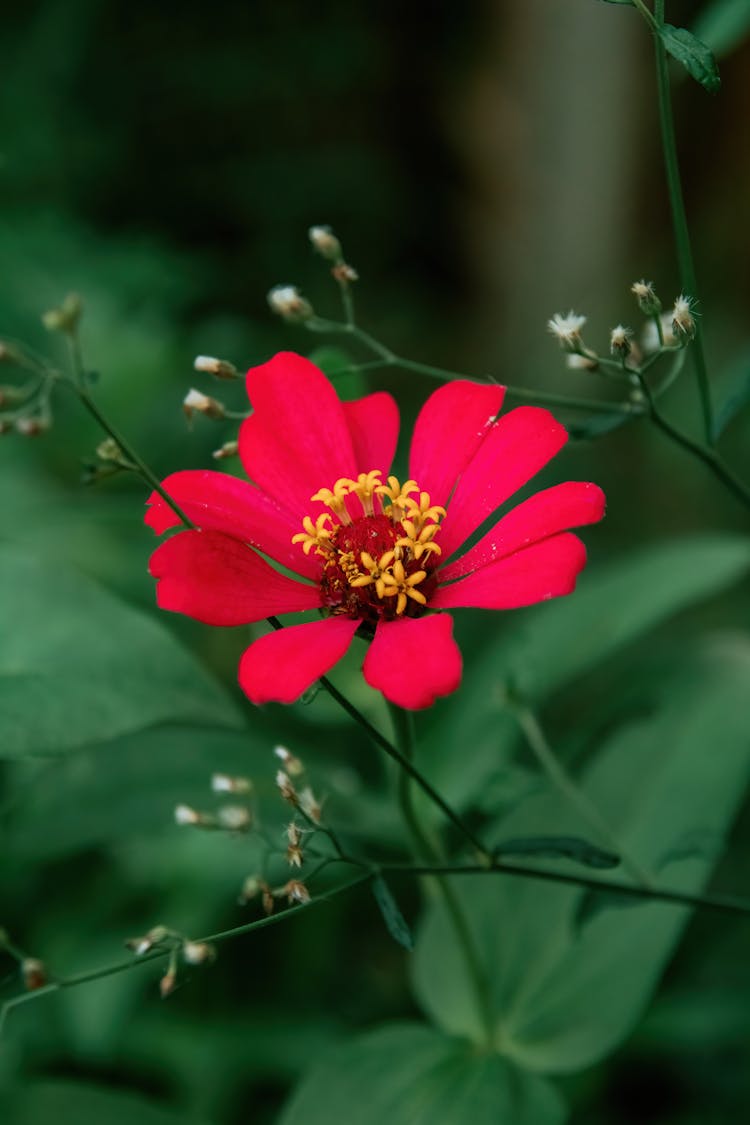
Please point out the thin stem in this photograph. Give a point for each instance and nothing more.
(403, 723)
(679, 217)
(408, 766)
(707, 455)
(567, 786)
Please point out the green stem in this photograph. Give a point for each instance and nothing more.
(575, 797)
(403, 723)
(679, 217)
(707, 455)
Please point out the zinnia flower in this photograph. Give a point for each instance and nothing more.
(379, 557)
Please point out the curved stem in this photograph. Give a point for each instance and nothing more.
(403, 723)
(679, 217)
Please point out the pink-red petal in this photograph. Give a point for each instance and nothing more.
(279, 666)
(413, 661)
(219, 502)
(373, 425)
(571, 504)
(517, 447)
(220, 581)
(450, 428)
(297, 440)
(545, 570)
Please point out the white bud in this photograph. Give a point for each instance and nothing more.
(234, 817)
(224, 783)
(288, 302)
(197, 952)
(228, 449)
(567, 330)
(683, 324)
(183, 814)
(220, 368)
(648, 302)
(292, 765)
(619, 340)
(325, 242)
(195, 402)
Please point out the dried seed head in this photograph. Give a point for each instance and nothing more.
(296, 891)
(683, 323)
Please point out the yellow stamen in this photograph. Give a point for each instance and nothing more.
(315, 535)
(398, 495)
(398, 585)
(335, 498)
(366, 487)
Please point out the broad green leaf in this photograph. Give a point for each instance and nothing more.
(77, 665)
(408, 1074)
(543, 648)
(556, 847)
(128, 788)
(694, 55)
(656, 781)
(394, 920)
(49, 1102)
(723, 25)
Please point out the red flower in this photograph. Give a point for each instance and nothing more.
(374, 554)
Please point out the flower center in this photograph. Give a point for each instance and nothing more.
(377, 546)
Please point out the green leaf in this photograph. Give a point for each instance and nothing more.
(77, 665)
(613, 606)
(408, 1074)
(694, 55)
(656, 781)
(339, 366)
(394, 920)
(723, 25)
(597, 425)
(49, 1102)
(557, 847)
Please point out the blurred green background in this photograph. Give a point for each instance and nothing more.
(484, 166)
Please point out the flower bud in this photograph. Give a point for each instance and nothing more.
(66, 317)
(286, 789)
(325, 242)
(34, 973)
(288, 302)
(683, 323)
(267, 900)
(309, 804)
(292, 765)
(224, 783)
(296, 891)
(620, 341)
(567, 330)
(234, 817)
(648, 302)
(184, 814)
(109, 450)
(576, 362)
(168, 983)
(195, 402)
(145, 944)
(345, 274)
(31, 425)
(228, 449)
(219, 368)
(251, 888)
(198, 952)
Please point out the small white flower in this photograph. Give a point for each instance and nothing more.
(683, 324)
(648, 302)
(567, 330)
(619, 340)
(183, 814)
(224, 783)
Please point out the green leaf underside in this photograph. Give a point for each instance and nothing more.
(557, 847)
(694, 55)
(50, 1102)
(657, 781)
(394, 920)
(408, 1074)
(613, 606)
(78, 665)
